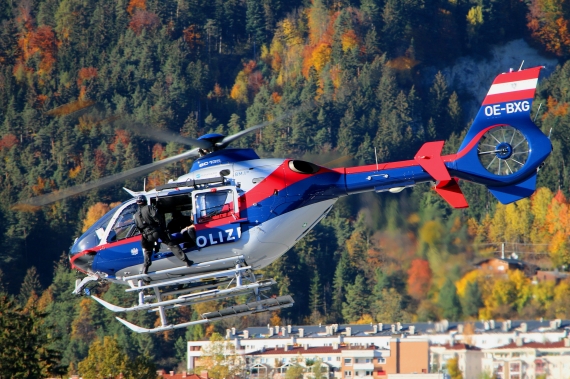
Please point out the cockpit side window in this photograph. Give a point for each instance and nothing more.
(124, 226)
(215, 205)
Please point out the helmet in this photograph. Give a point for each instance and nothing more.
(141, 199)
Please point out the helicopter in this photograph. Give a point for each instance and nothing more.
(249, 211)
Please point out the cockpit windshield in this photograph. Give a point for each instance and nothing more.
(90, 238)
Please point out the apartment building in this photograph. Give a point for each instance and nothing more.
(520, 360)
(379, 350)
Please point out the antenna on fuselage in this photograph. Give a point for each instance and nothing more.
(144, 184)
(520, 68)
(376, 156)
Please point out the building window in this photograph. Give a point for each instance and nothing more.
(515, 367)
(348, 361)
(368, 373)
(381, 360)
(348, 374)
(338, 359)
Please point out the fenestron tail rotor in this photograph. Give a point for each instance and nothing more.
(503, 150)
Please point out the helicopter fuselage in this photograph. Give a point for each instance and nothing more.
(255, 208)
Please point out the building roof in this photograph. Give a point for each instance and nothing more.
(510, 261)
(430, 328)
(535, 345)
(310, 350)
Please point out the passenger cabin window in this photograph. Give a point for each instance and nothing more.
(124, 226)
(215, 205)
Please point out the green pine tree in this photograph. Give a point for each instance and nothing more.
(449, 301)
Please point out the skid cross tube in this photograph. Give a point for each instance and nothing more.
(219, 274)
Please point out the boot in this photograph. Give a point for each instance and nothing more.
(188, 262)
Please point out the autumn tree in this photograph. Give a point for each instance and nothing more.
(548, 22)
(220, 359)
(106, 359)
(453, 368)
(419, 279)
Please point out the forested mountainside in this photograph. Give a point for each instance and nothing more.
(78, 76)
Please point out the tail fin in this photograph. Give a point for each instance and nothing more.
(503, 148)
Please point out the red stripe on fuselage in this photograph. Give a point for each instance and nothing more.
(515, 76)
(509, 96)
(102, 247)
(373, 167)
(277, 180)
(410, 163)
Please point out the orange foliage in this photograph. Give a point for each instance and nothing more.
(276, 98)
(120, 136)
(248, 82)
(94, 213)
(316, 56)
(192, 37)
(275, 319)
(70, 108)
(42, 99)
(143, 20)
(402, 63)
(559, 197)
(548, 25)
(44, 41)
(39, 41)
(336, 76)
(8, 141)
(555, 108)
(419, 278)
(157, 152)
(86, 73)
(136, 4)
(73, 172)
(349, 40)
(217, 93)
(41, 184)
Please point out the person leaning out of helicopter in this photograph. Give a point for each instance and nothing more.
(184, 225)
(149, 221)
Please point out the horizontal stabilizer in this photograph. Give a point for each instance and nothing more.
(429, 157)
(509, 194)
(451, 192)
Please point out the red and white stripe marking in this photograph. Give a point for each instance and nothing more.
(513, 86)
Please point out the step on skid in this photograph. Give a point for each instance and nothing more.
(222, 284)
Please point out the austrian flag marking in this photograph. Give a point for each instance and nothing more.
(513, 86)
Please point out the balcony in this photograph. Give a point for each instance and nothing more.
(363, 366)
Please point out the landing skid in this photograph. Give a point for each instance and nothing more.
(222, 284)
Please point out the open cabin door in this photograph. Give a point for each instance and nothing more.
(216, 216)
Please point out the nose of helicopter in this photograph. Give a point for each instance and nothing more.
(81, 259)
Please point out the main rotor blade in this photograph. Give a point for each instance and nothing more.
(165, 136)
(229, 139)
(106, 181)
